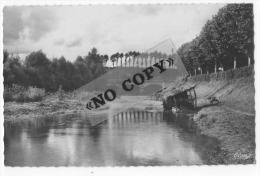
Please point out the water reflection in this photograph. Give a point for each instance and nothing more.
(132, 137)
(128, 117)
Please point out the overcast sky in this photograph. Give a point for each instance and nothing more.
(73, 30)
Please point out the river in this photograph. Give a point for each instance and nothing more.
(131, 137)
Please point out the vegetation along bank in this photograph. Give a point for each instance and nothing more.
(232, 122)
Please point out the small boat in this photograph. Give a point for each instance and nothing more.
(183, 110)
(175, 110)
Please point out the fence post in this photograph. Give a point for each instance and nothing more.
(235, 63)
(215, 66)
(200, 70)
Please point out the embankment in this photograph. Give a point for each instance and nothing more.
(232, 122)
(49, 106)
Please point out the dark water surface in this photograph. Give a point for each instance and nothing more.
(126, 139)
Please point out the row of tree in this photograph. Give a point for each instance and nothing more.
(39, 71)
(226, 41)
(135, 59)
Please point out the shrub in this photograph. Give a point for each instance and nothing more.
(13, 92)
(7, 95)
(21, 94)
(61, 94)
(34, 94)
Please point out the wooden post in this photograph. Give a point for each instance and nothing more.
(215, 66)
(200, 70)
(195, 98)
(235, 63)
(175, 102)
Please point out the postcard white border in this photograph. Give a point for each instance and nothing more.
(160, 170)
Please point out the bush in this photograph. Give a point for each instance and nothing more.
(21, 94)
(61, 94)
(13, 92)
(7, 95)
(35, 94)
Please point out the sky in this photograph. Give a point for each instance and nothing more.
(71, 31)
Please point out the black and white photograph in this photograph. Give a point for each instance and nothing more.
(119, 85)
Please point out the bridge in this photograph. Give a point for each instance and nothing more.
(137, 116)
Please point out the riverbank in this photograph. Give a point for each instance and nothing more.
(49, 106)
(232, 122)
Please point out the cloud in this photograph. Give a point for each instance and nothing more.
(59, 42)
(27, 23)
(13, 24)
(74, 43)
(73, 30)
(40, 22)
(144, 9)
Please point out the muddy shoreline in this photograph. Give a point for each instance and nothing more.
(235, 133)
(232, 122)
(234, 146)
(50, 106)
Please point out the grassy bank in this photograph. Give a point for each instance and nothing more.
(233, 121)
(50, 105)
(20, 93)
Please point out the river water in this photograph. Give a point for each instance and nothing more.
(128, 138)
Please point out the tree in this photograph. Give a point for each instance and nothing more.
(37, 70)
(113, 59)
(14, 72)
(121, 59)
(130, 54)
(134, 55)
(38, 63)
(105, 59)
(117, 59)
(6, 55)
(229, 35)
(126, 57)
(145, 55)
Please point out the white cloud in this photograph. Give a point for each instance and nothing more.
(73, 30)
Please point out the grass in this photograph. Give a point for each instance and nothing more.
(19, 93)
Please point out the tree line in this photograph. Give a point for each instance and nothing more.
(136, 59)
(226, 41)
(39, 71)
